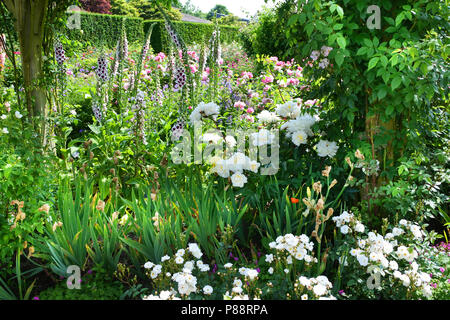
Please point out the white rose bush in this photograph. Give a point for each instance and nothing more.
(185, 164)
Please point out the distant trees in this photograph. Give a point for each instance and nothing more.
(123, 8)
(217, 9)
(148, 10)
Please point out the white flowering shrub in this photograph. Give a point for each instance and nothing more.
(281, 275)
(392, 265)
(291, 118)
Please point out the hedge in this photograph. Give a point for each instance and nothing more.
(104, 29)
(191, 32)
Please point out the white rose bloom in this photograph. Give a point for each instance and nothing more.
(18, 115)
(363, 260)
(268, 117)
(227, 265)
(269, 258)
(326, 148)
(211, 138)
(243, 271)
(179, 260)
(230, 141)
(252, 274)
(195, 250)
(148, 265)
(304, 281)
(393, 265)
(289, 109)
(189, 265)
(359, 227)
(237, 283)
(237, 162)
(221, 168)
(270, 270)
(319, 289)
(345, 229)
(165, 295)
(397, 231)
(165, 258)
(303, 123)
(238, 179)
(299, 137)
(207, 290)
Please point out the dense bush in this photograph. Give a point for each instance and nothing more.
(105, 29)
(191, 33)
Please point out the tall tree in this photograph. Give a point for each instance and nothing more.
(32, 23)
(219, 9)
(122, 7)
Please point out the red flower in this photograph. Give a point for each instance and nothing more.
(294, 200)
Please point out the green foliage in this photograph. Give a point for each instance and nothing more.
(149, 11)
(123, 8)
(95, 285)
(218, 8)
(263, 37)
(80, 230)
(105, 29)
(190, 32)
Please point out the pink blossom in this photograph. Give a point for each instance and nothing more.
(250, 110)
(239, 105)
(267, 79)
(193, 68)
(293, 81)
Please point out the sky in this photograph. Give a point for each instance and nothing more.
(236, 7)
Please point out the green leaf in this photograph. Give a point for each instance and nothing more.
(396, 82)
(341, 42)
(373, 62)
(94, 128)
(339, 58)
(382, 93)
(389, 110)
(384, 61)
(361, 51)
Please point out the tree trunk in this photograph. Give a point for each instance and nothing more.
(30, 16)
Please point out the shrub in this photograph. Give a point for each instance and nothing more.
(101, 29)
(190, 32)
